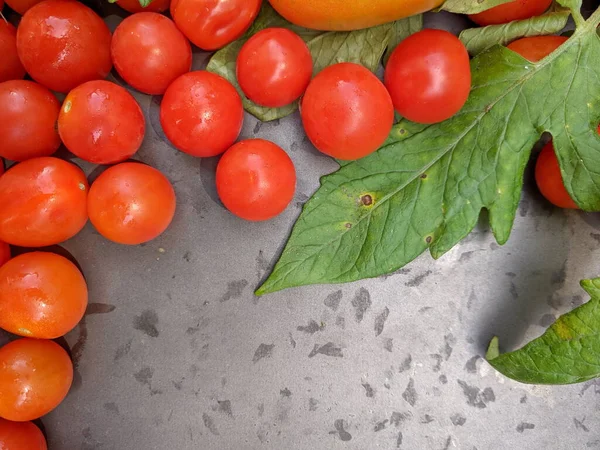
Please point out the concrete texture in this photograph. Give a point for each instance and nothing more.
(177, 353)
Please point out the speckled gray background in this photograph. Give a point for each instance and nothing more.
(177, 353)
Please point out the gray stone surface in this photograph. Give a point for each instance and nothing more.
(179, 353)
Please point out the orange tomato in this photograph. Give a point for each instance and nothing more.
(133, 6)
(35, 377)
(537, 47)
(42, 202)
(507, 12)
(21, 436)
(42, 295)
(343, 15)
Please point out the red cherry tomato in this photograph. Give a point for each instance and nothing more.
(202, 114)
(131, 203)
(63, 44)
(35, 377)
(11, 67)
(507, 12)
(274, 67)
(42, 202)
(347, 112)
(22, 6)
(212, 24)
(549, 179)
(21, 436)
(256, 180)
(101, 122)
(28, 114)
(537, 47)
(133, 6)
(149, 52)
(42, 295)
(429, 76)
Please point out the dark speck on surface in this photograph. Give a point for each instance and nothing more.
(399, 440)
(438, 362)
(333, 300)
(369, 391)
(329, 349)
(388, 344)
(475, 396)
(147, 323)
(523, 399)
(443, 379)
(579, 424)
(547, 320)
(559, 277)
(418, 280)
(224, 407)
(471, 365)
(285, 392)
(406, 364)
(292, 341)
(313, 404)
(410, 394)
(380, 321)
(261, 409)
(427, 419)
(458, 420)
(513, 290)
(361, 303)
(525, 426)
(263, 351)
(112, 407)
(398, 417)
(210, 424)
(311, 328)
(234, 290)
(340, 322)
(448, 443)
(144, 376)
(339, 426)
(187, 256)
(122, 350)
(472, 299)
(380, 425)
(449, 341)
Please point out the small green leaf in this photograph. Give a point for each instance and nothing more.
(470, 6)
(401, 30)
(428, 184)
(364, 47)
(568, 352)
(480, 39)
(493, 350)
(145, 3)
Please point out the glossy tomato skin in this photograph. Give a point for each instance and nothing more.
(42, 202)
(21, 436)
(346, 111)
(202, 114)
(149, 52)
(429, 76)
(11, 67)
(274, 67)
(39, 367)
(28, 114)
(63, 44)
(507, 12)
(131, 203)
(256, 180)
(549, 179)
(101, 122)
(133, 6)
(538, 47)
(212, 24)
(42, 295)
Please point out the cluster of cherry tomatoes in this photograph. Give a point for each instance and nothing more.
(65, 47)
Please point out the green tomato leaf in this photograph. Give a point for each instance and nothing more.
(402, 29)
(364, 47)
(568, 352)
(470, 6)
(144, 3)
(480, 39)
(426, 186)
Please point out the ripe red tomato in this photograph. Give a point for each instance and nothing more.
(149, 52)
(133, 6)
(347, 112)
(274, 67)
(4, 253)
(63, 44)
(42, 202)
(429, 76)
(21, 436)
(537, 47)
(42, 295)
(131, 203)
(35, 377)
(202, 114)
(549, 179)
(28, 114)
(212, 24)
(101, 122)
(256, 179)
(22, 6)
(11, 67)
(507, 12)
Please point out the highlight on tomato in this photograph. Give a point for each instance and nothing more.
(149, 52)
(28, 114)
(347, 112)
(63, 60)
(256, 179)
(101, 122)
(201, 114)
(39, 367)
(11, 67)
(508, 12)
(131, 203)
(429, 76)
(212, 24)
(21, 436)
(43, 201)
(42, 295)
(274, 67)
